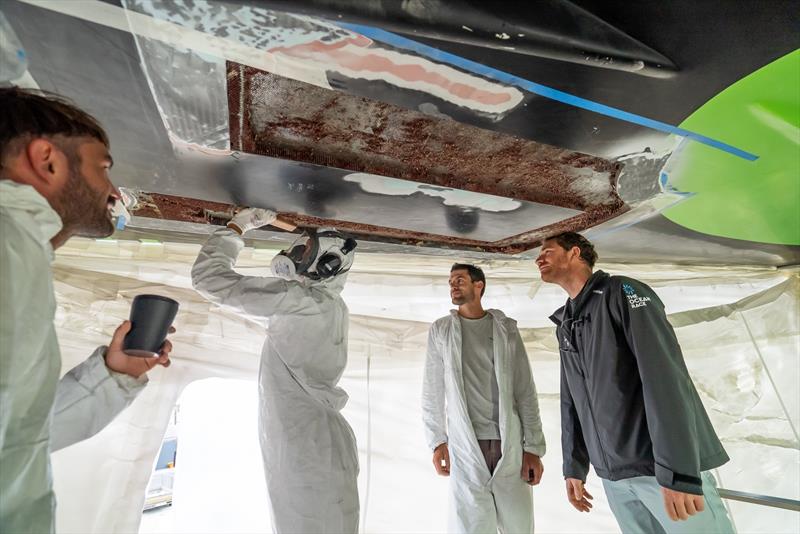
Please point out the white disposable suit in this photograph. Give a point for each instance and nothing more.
(38, 412)
(309, 449)
(482, 502)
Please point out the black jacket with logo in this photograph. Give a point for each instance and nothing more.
(628, 405)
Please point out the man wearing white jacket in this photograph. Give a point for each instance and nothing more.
(481, 413)
(54, 184)
(309, 449)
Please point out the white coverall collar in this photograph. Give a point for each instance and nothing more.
(497, 315)
(22, 197)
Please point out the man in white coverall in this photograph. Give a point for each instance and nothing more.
(54, 184)
(481, 413)
(309, 449)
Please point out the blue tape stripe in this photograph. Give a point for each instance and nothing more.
(542, 90)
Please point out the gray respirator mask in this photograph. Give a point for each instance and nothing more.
(316, 255)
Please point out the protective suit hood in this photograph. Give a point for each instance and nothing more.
(24, 198)
(335, 284)
(321, 255)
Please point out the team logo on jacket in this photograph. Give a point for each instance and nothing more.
(634, 300)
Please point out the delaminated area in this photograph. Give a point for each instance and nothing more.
(289, 119)
(282, 118)
(160, 206)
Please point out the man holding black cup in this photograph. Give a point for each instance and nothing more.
(54, 163)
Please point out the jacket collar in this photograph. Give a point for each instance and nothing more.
(586, 293)
(558, 315)
(20, 200)
(580, 300)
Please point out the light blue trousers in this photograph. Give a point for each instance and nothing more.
(638, 505)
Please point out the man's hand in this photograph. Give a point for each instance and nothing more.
(680, 505)
(118, 361)
(532, 468)
(578, 495)
(441, 460)
(250, 218)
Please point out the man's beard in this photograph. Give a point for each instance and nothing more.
(84, 212)
(464, 298)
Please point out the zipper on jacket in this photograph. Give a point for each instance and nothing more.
(576, 357)
(582, 370)
(594, 425)
(572, 347)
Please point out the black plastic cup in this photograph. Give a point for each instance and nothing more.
(151, 317)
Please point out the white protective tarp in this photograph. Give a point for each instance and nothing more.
(738, 328)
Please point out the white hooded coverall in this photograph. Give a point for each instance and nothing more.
(39, 413)
(309, 449)
(481, 502)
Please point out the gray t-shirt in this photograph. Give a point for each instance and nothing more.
(480, 382)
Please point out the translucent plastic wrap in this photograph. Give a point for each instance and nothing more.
(738, 329)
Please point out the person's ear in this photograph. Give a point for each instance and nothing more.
(575, 253)
(49, 164)
(479, 288)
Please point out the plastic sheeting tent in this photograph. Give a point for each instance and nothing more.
(153, 72)
(738, 328)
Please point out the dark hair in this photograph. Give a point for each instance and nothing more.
(29, 114)
(567, 240)
(475, 273)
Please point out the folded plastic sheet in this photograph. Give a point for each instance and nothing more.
(738, 329)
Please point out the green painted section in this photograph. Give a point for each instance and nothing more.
(754, 201)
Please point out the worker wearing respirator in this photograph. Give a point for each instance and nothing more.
(309, 449)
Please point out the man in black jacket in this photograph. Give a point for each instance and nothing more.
(628, 405)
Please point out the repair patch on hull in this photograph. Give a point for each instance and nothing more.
(283, 118)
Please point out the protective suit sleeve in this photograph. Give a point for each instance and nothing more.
(526, 399)
(88, 398)
(214, 278)
(433, 394)
(667, 389)
(573, 447)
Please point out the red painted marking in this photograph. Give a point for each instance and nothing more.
(374, 62)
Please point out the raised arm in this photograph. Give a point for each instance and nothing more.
(214, 278)
(94, 392)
